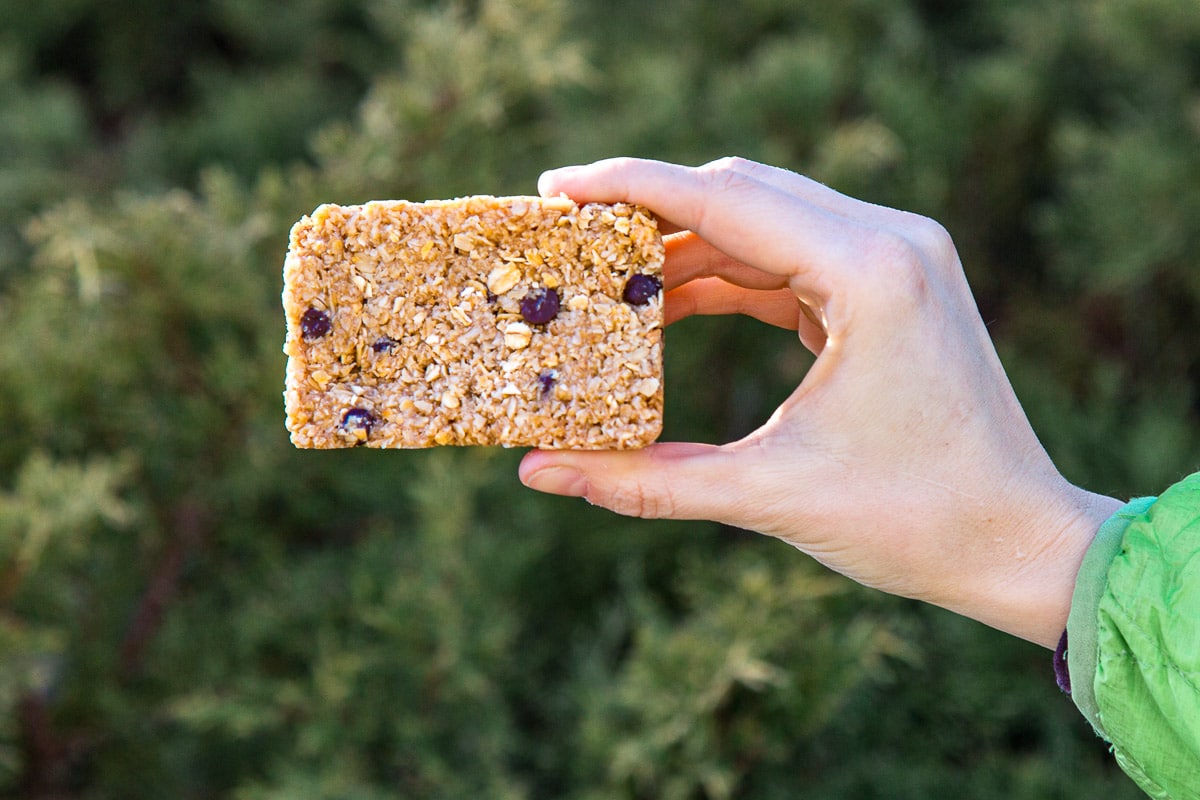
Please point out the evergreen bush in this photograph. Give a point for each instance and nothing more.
(191, 608)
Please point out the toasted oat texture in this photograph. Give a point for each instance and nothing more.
(516, 321)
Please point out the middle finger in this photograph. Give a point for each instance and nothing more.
(689, 258)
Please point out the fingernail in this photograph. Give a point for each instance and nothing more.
(565, 481)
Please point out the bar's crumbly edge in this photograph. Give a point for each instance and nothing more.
(396, 369)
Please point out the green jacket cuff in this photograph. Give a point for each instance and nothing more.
(1082, 624)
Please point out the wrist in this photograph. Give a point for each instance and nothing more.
(1032, 598)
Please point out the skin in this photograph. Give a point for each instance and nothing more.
(903, 460)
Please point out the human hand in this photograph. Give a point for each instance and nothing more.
(903, 459)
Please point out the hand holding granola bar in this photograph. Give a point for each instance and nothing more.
(903, 458)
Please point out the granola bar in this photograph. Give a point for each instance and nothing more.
(518, 321)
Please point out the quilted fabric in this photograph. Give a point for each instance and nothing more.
(1146, 684)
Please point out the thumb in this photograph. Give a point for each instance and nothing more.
(673, 480)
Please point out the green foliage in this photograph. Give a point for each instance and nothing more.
(711, 700)
(50, 520)
(191, 608)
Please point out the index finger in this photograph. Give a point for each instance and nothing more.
(751, 221)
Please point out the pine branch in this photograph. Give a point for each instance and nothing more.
(189, 529)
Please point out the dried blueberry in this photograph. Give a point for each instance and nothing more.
(384, 345)
(547, 380)
(314, 324)
(640, 289)
(357, 423)
(540, 306)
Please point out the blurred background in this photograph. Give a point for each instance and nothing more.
(190, 608)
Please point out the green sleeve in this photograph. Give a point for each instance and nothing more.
(1134, 634)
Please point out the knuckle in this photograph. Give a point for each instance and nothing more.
(895, 251)
(729, 164)
(925, 239)
(730, 172)
(636, 501)
(900, 269)
(933, 240)
(913, 255)
(729, 179)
